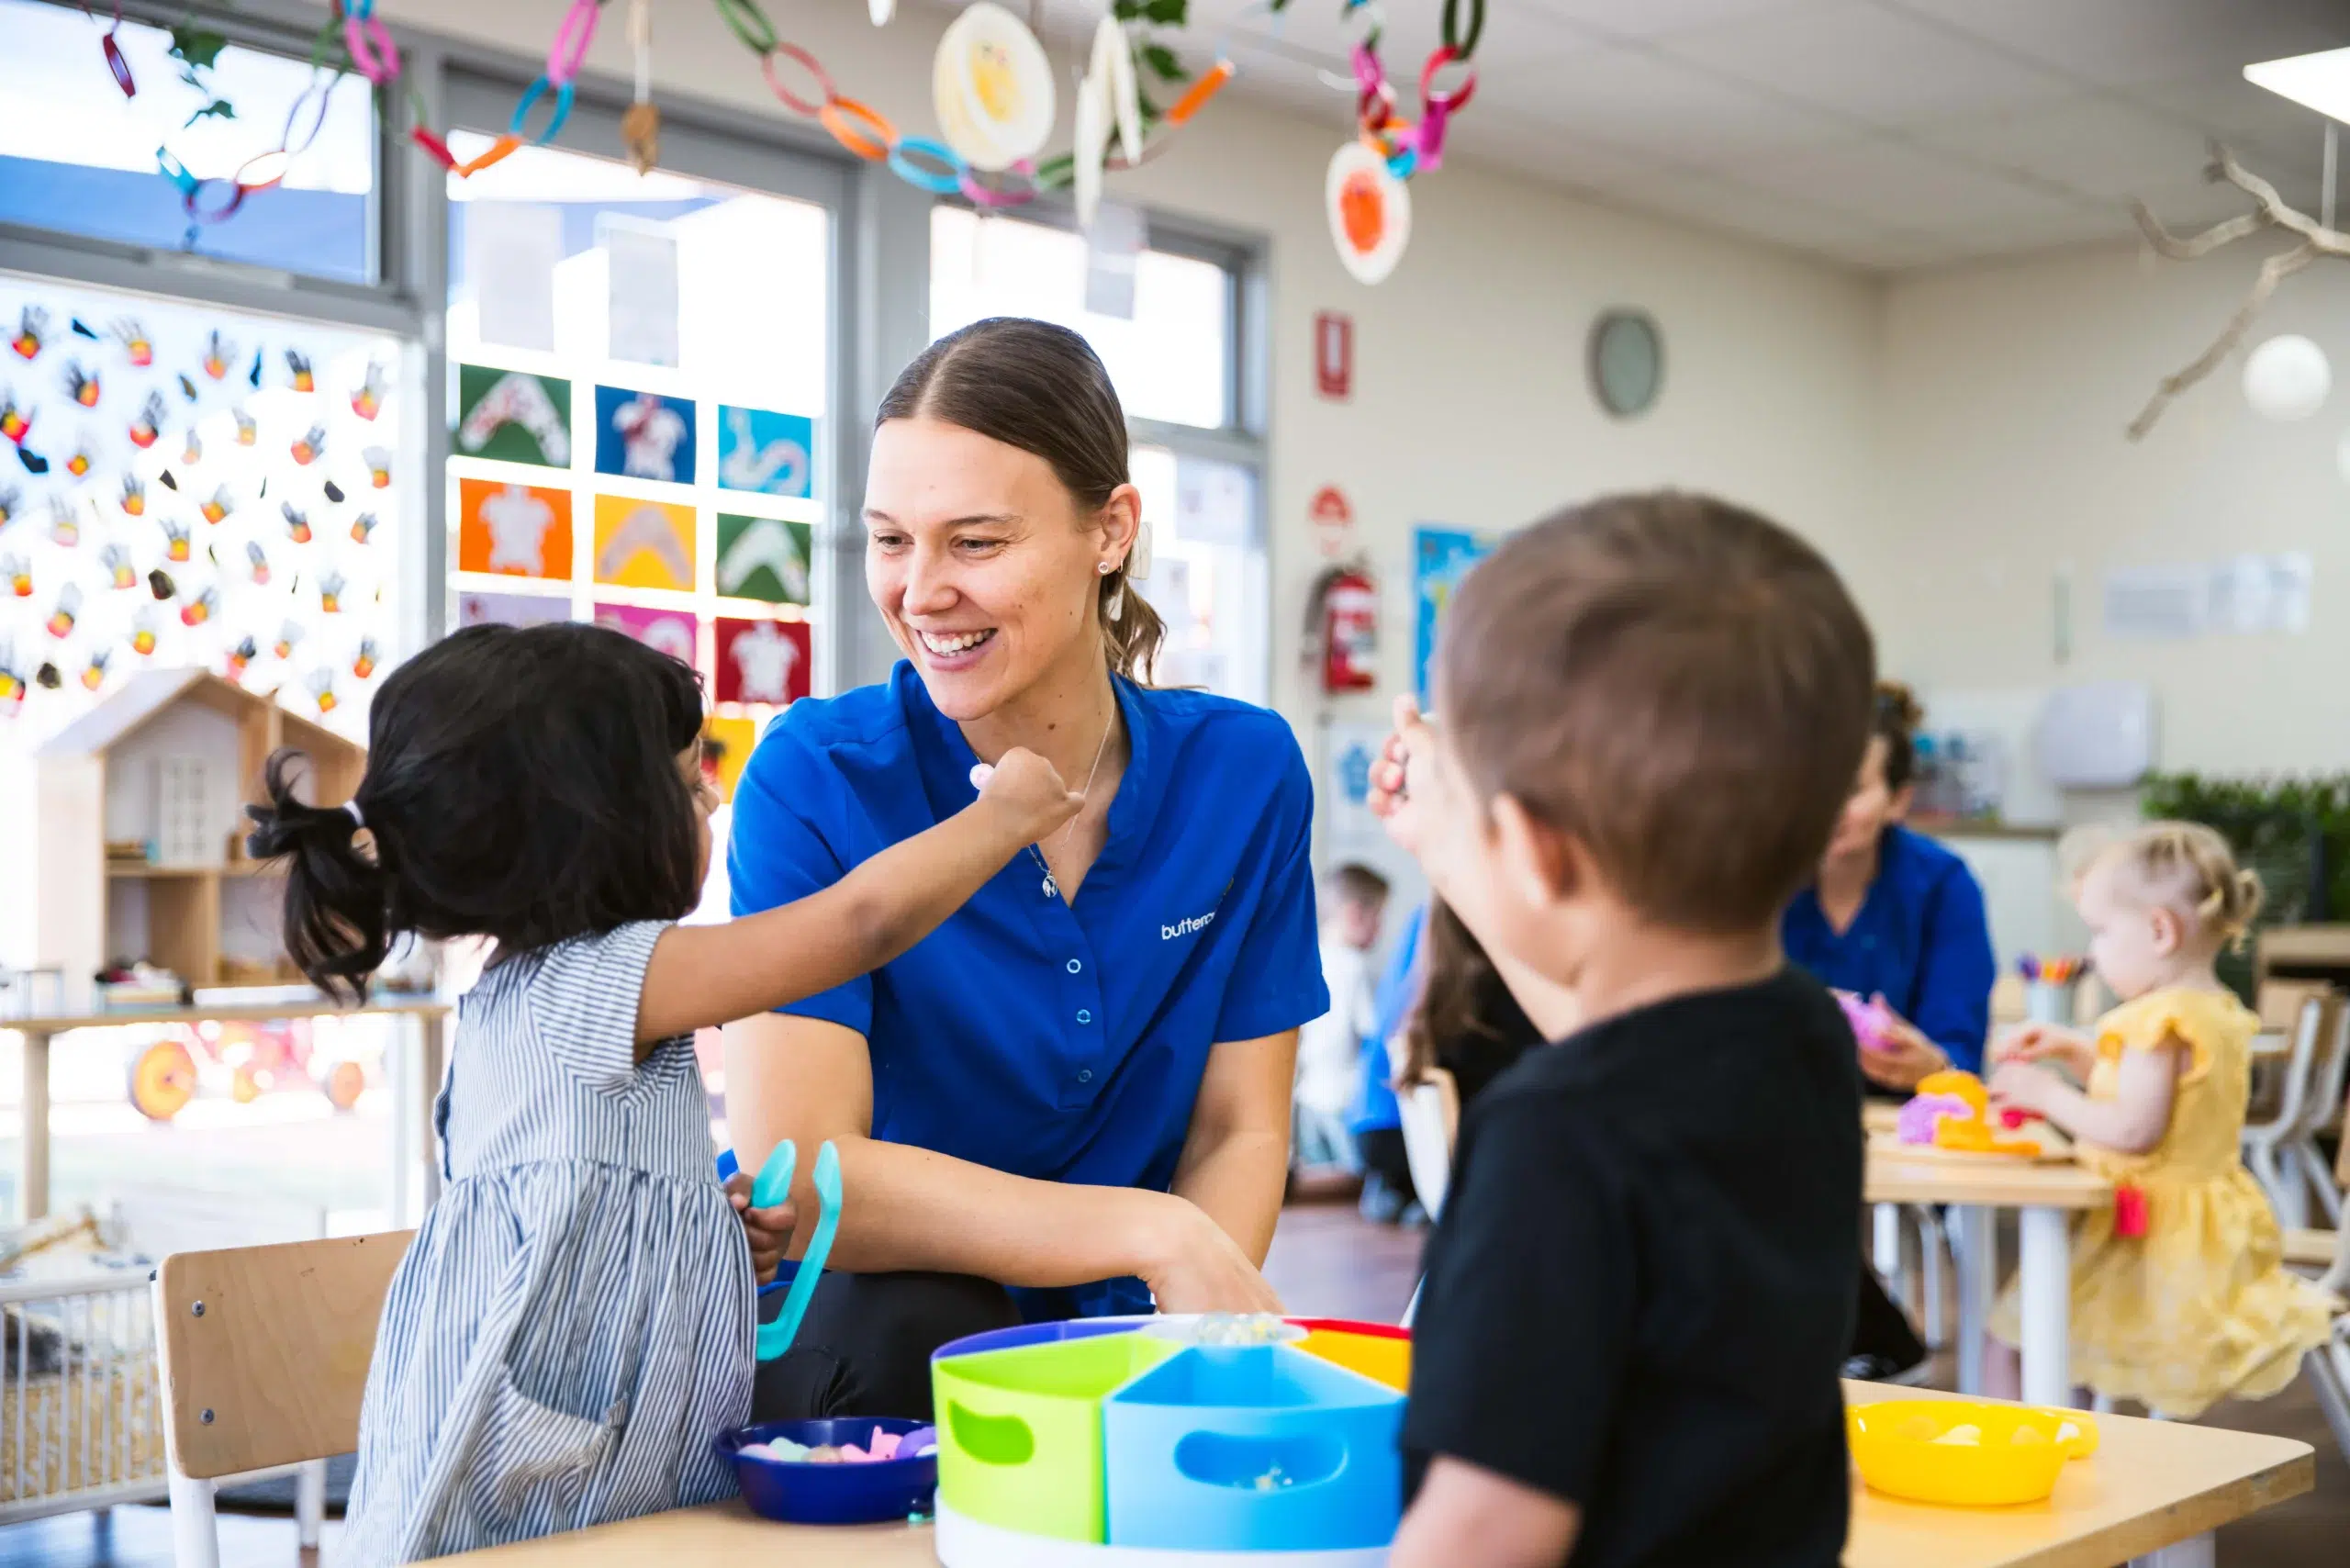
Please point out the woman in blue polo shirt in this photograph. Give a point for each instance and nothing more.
(1072, 1099)
(1895, 914)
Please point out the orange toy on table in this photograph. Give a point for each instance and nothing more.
(1952, 1110)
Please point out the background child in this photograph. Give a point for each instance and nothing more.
(573, 1323)
(1641, 1289)
(1329, 1049)
(2198, 1307)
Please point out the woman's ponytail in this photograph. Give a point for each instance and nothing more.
(337, 919)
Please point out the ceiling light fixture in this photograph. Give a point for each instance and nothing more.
(2320, 81)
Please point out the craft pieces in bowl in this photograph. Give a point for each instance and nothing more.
(800, 1491)
(1965, 1453)
(1020, 1429)
(1252, 1449)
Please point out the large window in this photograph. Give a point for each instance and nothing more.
(78, 156)
(1175, 364)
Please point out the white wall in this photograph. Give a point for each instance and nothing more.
(2006, 392)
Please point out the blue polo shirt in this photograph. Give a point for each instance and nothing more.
(1920, 940)
(1059, 1041)
(1375, 1108)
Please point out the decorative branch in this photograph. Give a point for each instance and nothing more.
(2271, 212)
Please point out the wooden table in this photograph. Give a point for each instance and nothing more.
(2046, 1195)
(2155, 1493)
(415, 1072)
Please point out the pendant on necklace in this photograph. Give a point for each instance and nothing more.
(1052, 889)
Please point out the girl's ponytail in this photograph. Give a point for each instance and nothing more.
(337, 921)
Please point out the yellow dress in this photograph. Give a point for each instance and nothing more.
(2199, 1308)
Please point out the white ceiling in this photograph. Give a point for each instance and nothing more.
(1884, 134)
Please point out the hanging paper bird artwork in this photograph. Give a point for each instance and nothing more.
(159, 584)
(11, 691)
(94, 673)
(79, 464)
(67, 609)
(134, 496)
(321, 685)
(81, 329)
(15, 423)
(368, 400)
(175, 542)
(9, 500)
(31, 325)
(330, 588)
(217, 351)
(50, 676)
(219, 507)
(298, 522)
(258, 558)
(17, 573)
(287, 635)
(198, 611)
(242, 656)
(248, 428)
(135, 343)
(79, 385)
(150, 422)
(64, 523)
(297, 366)
(362, 526)
(309, 445)
(187, 387)
(362, 664)
(379, 466)
(116, 561)
(142, 633)
(193, 453)
(333, 493)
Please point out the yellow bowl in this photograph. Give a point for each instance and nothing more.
(1965, 1453)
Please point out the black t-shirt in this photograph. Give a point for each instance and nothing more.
(1641, 1291)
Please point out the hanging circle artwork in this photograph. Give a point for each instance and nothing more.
(992, 87)
(1369, 211)
(2287, 378)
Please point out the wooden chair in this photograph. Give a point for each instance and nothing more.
(264, 1353)
(2323, 1109)
(2311, 1010)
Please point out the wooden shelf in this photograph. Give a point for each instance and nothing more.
(140, 870)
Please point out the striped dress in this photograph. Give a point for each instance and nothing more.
(573, 1321)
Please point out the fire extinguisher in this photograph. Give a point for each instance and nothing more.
(1342, 629)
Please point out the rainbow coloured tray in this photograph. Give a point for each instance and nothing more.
(1143, 1442)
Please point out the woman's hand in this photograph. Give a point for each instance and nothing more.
(1905, 1058)
(1194, 1266)
(768, 1230)
(1028, 791)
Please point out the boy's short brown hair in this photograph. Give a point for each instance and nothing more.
(1355, 882)
(1680, 684)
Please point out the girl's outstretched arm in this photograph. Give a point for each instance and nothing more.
(702, 976)
(2133, 1121)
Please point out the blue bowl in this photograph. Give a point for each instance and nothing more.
(800, 1492)
(1035, 1334)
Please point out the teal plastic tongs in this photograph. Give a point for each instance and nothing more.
(772, 1186)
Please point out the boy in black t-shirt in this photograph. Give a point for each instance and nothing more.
(1640, 1290)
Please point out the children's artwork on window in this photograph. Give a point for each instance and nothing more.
(642, 435)
(644, 544)
(772, 453)
(762, 662)
(511, 610)
(671, 631)
(521, 531)
(762, 557)
(513, 417)
(187, 484)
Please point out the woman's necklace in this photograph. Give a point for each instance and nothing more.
(1052, 889)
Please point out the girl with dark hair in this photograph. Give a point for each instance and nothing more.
(1073, 1098)
(1895, 914)
(573, 1324)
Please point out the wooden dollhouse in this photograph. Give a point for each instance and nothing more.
(139, 849)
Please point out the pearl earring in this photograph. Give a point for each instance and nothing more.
(1103, 567)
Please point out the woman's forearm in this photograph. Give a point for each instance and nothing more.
(905, 1207)
(1237, 1181)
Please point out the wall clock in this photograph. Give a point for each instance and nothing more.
(1627, 362)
